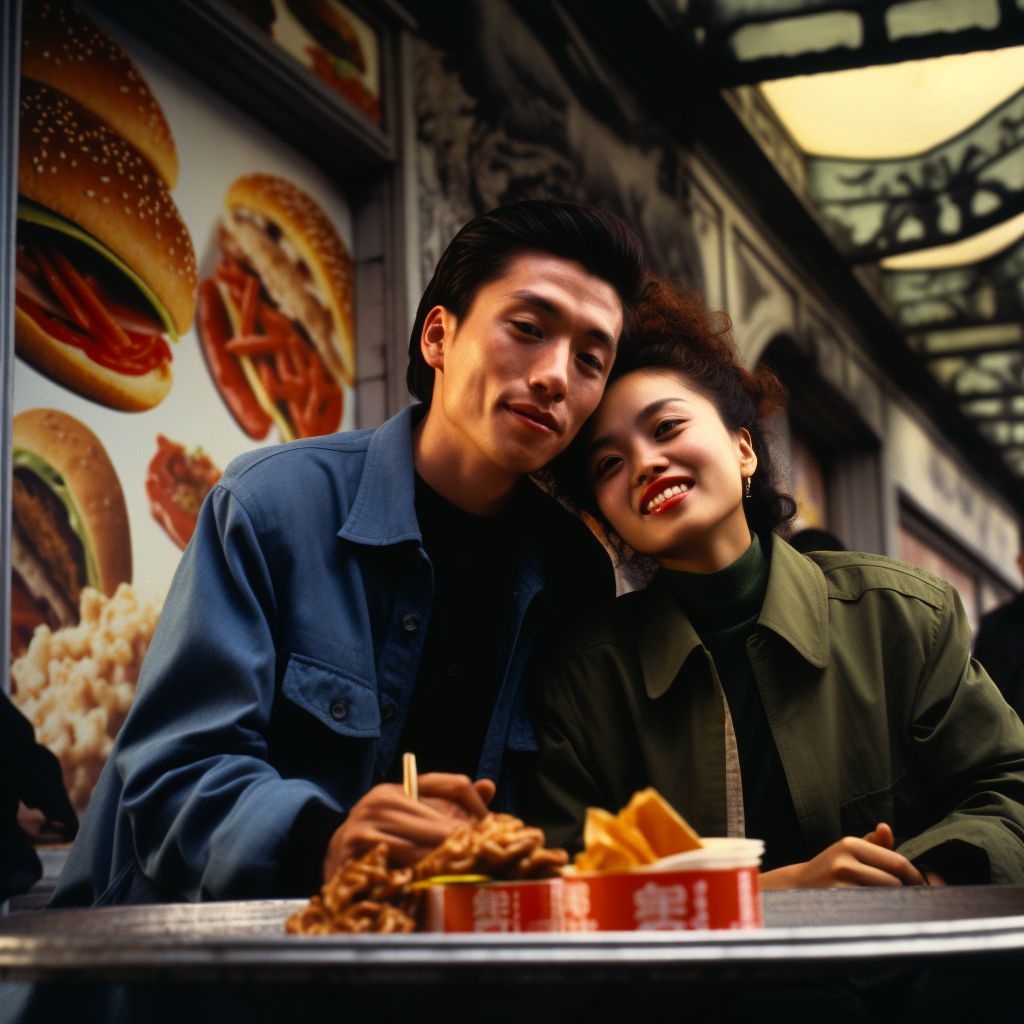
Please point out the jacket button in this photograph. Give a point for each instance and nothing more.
(339, 709)
(387, 712)
(516, 592)
(453, 670)
(410, 622)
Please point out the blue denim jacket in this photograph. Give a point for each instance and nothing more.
(283, 665)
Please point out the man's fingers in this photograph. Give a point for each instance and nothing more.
(402, 851)
(486, 788)
(884, 860)
(454, 787)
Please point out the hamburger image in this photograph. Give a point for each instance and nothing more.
(275, 320)
(337, 57)
(331, 29)
(105, 267)
(69, 522)
(65, 49)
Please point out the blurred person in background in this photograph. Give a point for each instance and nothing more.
(812, 539)
(1000, 645)
(34, 805)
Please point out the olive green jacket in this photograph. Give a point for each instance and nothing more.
(878, 711)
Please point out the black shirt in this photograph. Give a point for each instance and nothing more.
(451, 705)
(723, 608)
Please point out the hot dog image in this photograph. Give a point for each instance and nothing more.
(106, 272)
(275, 320)
(69, 522)
(176, 484)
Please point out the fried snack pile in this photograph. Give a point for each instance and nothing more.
(366, 896)
(645, 830)
(363, 896)
(499, 845)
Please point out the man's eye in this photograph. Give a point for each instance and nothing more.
(527, 328)
(591, 360)
(665, 426)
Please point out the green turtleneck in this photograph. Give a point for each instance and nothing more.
(723, 607)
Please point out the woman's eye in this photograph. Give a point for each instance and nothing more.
(665, 426)
(591, 360)
(527, 328)
(604, 465)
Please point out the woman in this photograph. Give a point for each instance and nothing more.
(826, 703)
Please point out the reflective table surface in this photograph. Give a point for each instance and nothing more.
(805, 931)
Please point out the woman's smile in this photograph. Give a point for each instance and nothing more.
(664, 493)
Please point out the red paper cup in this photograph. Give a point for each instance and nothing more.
(715, 887)
(495, 907)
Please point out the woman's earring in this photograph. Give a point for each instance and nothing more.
(747, 491)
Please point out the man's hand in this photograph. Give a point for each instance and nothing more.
(849, 863)
(410, 828)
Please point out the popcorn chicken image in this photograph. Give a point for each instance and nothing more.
(77, 684)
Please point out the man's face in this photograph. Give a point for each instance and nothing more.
(526, 366)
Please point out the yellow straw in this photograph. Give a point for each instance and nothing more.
(410, 780)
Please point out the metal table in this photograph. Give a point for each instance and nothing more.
(807, 931)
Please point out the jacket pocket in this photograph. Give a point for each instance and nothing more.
(863, 813)
(346, 704)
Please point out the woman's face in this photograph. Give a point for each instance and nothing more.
(667, 473)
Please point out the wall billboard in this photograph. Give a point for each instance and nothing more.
(184, 294)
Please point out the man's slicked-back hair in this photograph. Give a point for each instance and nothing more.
(487, 245)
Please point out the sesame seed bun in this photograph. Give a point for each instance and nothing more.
(308, 230)
(71, 367)
(77, 454)
(73, 164)
(64, 48)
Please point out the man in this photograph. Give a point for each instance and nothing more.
(1000, 646)
(348, 598)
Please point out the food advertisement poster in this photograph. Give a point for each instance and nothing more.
(184, 295)
(329, 39)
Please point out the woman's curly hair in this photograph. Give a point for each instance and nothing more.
(678, 333)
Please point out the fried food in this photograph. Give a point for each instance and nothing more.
(664, 828)
(500, 846)
(645, 830)
(76, 685)
(363, 896)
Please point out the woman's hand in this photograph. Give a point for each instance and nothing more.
(410, 828)
(882, 836)
(849, 863)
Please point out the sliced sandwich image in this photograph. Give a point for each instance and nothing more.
(276, 320)
(69, 522)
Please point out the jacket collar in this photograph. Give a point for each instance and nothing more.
(795, 607)
(384, 510)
